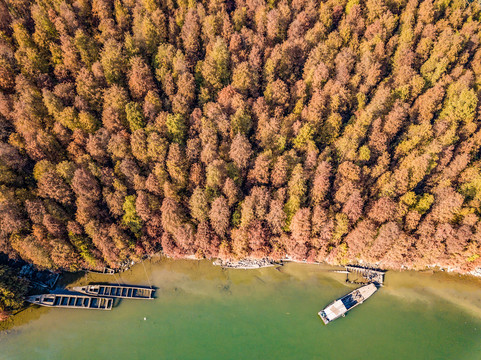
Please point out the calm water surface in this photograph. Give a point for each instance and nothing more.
(204, 312)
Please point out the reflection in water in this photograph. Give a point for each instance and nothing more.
(205, 312)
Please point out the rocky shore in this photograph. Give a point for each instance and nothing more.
(266, 262)
(246, 263)
(476, 272)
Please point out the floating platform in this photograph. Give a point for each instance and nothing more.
(72, 301)
(341, 306)
(117, 291)
(367, 275)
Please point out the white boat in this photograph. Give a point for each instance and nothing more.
(341, 306)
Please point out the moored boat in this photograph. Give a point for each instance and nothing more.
(341, 306)
(72, 301)
(117, 291)
(105, 270)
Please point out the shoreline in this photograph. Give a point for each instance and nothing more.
(267, 262)
(30, 313)
(476, 273)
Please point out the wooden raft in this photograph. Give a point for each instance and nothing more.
(117, 291)
(72, 301)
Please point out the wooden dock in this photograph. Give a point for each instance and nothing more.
(117, 291)
(367, 275)
(72, 301)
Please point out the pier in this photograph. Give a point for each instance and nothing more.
(365, 275)
(72, 301)
(117, 291)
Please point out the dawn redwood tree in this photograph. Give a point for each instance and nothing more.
(301, 225)
(240, 151)
(51, 185)
(140, 76)
(219, 215)
(85, 185)
(321, 184)
(199, 206)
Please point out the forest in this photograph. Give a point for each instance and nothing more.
(343, 131)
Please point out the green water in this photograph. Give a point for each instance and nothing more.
(204, 312)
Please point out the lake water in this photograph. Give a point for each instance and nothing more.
(204, 312)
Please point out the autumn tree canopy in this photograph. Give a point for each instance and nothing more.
(338, 130)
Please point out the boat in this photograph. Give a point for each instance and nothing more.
(117, 291)
(105, 271)
(341, 306)
(72, 301)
